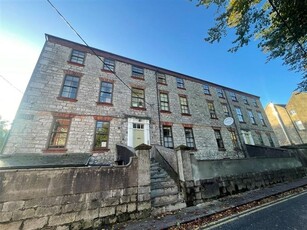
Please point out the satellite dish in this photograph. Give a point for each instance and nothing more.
(228, 121)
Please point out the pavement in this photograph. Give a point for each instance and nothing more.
(209, 208)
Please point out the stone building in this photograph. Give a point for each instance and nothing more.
(289, 121)
(85, 100)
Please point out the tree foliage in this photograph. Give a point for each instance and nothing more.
(280, 26)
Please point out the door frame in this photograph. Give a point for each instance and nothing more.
(145, 122)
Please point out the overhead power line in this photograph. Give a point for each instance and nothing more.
(76, 32)
(11, 84)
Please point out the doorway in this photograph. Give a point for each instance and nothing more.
(138, 132)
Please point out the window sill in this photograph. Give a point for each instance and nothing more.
(254, 124)
(138, 108)
(160, 83)
(242, 122)
(107, 71)
(138, 78)
(214, 118)
(222, 149)
(99, 150)
(67, 99)
(181, 88)
(207, 94)
(222, 97)
(104, 104)
(234, 100)
(165, 111)
(55, 150)
(74, 63)
(186, 114)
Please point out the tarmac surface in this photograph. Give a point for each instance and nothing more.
(206, 209)
(288, 214)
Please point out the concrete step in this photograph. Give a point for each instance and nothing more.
(163, 184)
(154, 164)
(160, 179)
(156, 169)
(159, 175)
(164, 192)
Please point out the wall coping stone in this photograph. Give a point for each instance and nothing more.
(143, 147)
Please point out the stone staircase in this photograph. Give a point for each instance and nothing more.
(165, 195)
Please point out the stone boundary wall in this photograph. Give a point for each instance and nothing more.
(231, 167)
(206, 179)
(74, 198)
(202, 190)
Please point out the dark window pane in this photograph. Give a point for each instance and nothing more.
(101, 134)
(59, 133)
(70, 87)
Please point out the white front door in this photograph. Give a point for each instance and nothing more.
(138, 132)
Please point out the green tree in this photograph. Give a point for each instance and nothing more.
(280, 26)
(3, 131)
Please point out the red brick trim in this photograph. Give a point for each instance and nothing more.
(104, 104)
(63, 115)
(100, 150)
(186, 114)
(107, 71)
(165, 111)
(138, 108)
(138, 78)
(74, 63)
(181, 88)
(74, 73)
(67, 99)
(102, 118)
(137, 86)
(54, 150)
(187, 125)
(106, 79)
(166, 123)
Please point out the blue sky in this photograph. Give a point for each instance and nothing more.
(165, 33)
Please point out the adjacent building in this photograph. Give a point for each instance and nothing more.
(289, 121)
(85, 100)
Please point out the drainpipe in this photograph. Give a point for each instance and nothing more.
(235, 123)
(275, 112)
(158, 108)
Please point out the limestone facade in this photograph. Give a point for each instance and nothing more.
(82, 99)
(289, 121)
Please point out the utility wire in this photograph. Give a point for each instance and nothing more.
(7, 81)
(76, 32)
(285, 23)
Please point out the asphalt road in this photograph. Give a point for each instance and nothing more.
(290, 214)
